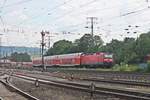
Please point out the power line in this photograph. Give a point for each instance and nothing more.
(118, 16)
(58, 6)
(72, 11)
(48, 12)
(126, 14)
(136, 11)
(121, 16)
(81, 6)
(64, 3)
(72, 26)
(18, 3)
(1, 10)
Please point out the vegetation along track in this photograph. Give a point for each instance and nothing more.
(130, 95)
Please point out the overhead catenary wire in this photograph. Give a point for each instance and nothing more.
(1, 10)
(69, 12)
(123, 15)
(72, 10)
(80, 7)
(56, 7)
(119, 16)
(63, 4)
(17, 3)
(47, 12)
(132, 12)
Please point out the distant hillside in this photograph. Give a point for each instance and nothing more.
(7, 50)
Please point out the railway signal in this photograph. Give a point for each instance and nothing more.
(92, 89)
(43, 44)
(36, 83)
(0, 47)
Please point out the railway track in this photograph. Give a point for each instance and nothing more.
(100, 79)
(128, 94)
(10, 92)
(123, 82)
(108, 75)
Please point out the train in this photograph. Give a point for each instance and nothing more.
(16, 64)
(98, 59)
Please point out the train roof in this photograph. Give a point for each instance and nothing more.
(60, 56)
(64, 56)
(71, 55)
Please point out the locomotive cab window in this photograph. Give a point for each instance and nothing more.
(108, 56)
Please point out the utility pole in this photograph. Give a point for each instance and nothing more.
(43, 44)
(92, 22)
(0, 47)
(40, 52)
(147, 1)
(49, 40)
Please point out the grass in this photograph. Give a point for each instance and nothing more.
(103, 69)
(148, 67)
(127, 68)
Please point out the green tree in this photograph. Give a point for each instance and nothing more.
(84, 44)
(142, 47)
(60, 47)
(98, 43)
(20, 57)
(114, 47)
(128, 53)
(87, 43)
(124, 51)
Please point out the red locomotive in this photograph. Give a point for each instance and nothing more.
(76, 60)
(147, 58)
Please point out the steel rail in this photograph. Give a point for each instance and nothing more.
(95, 79)
(124, 82)
(98, 90)
(28, 96)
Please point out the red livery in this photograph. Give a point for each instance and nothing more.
(76, 59)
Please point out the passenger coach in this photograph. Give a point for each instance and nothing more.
(76, 60)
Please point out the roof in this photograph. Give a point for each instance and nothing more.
(72, 55)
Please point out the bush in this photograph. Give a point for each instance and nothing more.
(126, 67)
(148, 67)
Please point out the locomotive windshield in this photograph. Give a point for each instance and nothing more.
(108, 56)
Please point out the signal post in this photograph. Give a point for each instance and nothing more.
(43, 44)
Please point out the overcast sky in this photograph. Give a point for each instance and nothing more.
(21, 21)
